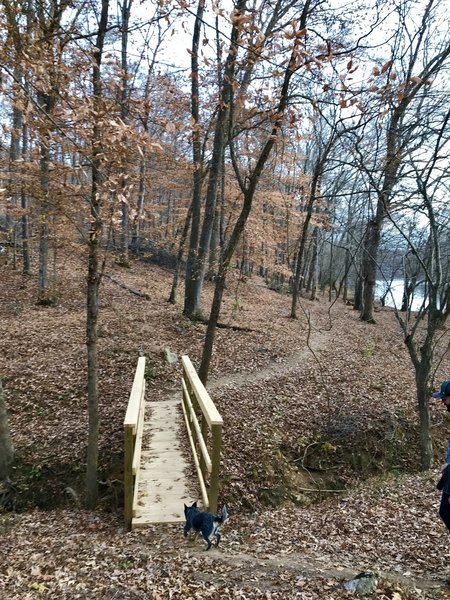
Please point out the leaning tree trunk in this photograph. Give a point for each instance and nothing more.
(348, 257)
(6, 445)
(248, 188)
(220, 281)
(301, 252)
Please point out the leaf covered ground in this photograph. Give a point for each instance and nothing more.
(320, 455)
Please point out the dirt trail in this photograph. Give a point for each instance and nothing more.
(275, 572)
(278, 367)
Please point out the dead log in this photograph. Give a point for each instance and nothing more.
(126, 287)
(226, 326)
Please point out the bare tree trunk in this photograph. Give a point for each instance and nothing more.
(220, 283)
(20, 130)
(214, 251)
(44, 228)
(358, 302)
(136, 235)
(124, 111)
(312, 282)
(426, 443)
(198, 257)
(369, 263)
(348, 257)
(14, 156)
(137, 224)
(94, 275)
(191, 294)
(195, 283)
(26, 268)
(422, 360)
(6, 445)
(303, 238)
(176, 275)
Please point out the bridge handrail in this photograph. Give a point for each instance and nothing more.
(195, 423)
(197, 403)
(133, 427)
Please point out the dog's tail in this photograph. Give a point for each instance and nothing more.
(223, 515)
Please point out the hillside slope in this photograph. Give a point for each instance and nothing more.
(321, 408)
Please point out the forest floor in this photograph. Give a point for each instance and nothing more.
(320, 454)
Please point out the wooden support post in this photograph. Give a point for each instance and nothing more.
(128, 475)
(215, 459)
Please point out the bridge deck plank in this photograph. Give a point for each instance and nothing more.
(162, 484)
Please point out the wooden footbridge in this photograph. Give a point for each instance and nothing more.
(155, 470)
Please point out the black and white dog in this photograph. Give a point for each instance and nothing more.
(204, 522)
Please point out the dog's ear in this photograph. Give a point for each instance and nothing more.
(194, 505)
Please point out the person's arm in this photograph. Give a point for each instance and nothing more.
(447, 456)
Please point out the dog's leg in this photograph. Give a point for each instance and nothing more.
(207, 540)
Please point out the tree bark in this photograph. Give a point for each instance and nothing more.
(176, 275)
(191, 294)
(312, 281)
(26, 268)
(6, 445)
(124, 111)
(369, 264)
(426, 443)
(94, 275)
(358, 292)
(220, 280)
(44, 227)
(136, 229)
(14, 156)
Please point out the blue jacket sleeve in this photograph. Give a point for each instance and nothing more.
(447, 454)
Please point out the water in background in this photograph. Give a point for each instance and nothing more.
(395, 297)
